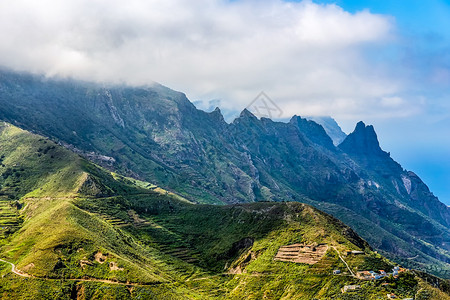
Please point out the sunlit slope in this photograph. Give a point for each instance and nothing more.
(77, 231)
(236, 249)
(156, 134)
(55, 236)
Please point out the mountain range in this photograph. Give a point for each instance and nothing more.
(156, 135)
(74, 230)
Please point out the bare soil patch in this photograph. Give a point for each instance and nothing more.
(301, 253)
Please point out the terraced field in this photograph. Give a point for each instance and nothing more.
(300, 253)
(159, 234)
(117, 222)
(9, 217)
(168, 241)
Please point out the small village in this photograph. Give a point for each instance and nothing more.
(372, 275)
(312, 254)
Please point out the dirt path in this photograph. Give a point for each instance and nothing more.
(207, 277)
(113, 282)
(15, 271)
(22, 274)
(350, 270)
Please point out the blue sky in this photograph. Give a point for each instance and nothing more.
(384, 62)
(420, 142)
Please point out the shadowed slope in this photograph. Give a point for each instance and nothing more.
(155, 134)
(88, 234)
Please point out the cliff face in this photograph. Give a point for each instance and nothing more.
(156, 134)
(363, 141)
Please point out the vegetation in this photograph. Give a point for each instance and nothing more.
(78, 231)
(155, 134)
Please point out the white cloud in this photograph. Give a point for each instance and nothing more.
(392, 102)
(306, 57)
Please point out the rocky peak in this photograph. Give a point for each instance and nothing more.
(216, 115)
(247, 114)
(245, 117)
(313, 131)
(362, 141)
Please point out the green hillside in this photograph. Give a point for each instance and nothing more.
(156, 135)
(74, 230)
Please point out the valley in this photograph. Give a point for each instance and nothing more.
(156, 135)
(146, 224)
(224, 150)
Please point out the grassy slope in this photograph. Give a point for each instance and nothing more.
(72, 210)
(198, 155)
(45, 180)
(206, 235)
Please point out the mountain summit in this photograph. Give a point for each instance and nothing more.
(362, 141)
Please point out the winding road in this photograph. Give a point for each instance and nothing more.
(22, 274)
(14, 269)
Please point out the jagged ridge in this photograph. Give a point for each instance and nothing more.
(165, 140)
